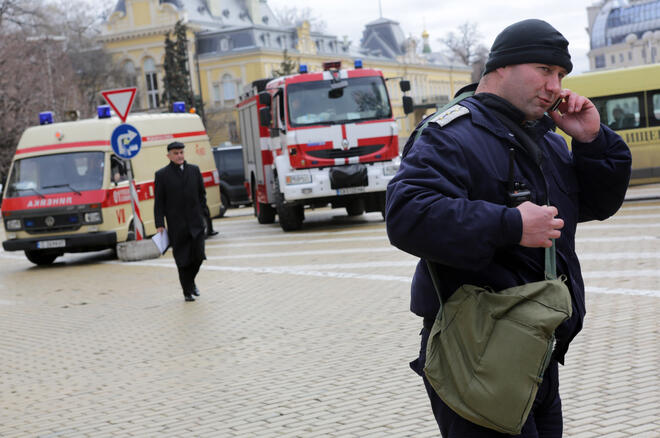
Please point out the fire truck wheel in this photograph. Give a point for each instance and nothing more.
(264, 212)
(290, 216)
(41, 258)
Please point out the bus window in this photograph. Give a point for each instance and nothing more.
(619, 112)
(654, 108)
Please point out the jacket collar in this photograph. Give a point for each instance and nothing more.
(175, 166)
(481, 108)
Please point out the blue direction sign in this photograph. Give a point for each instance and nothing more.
(126, 141)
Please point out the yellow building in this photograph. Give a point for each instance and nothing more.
(235, 42)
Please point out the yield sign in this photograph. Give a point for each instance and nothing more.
(120, 100)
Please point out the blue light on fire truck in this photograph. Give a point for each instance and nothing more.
(358, 63)
(179, 107)
(302, 69)
(46, 118)
(103, 111)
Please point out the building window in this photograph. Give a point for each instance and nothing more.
(600, 61)
(620, 57)
(228, 88)
(613, 59)
(630, 56)
(233, 132)
(224, 44)
(151, 77)
(216, 93)
(131, 74)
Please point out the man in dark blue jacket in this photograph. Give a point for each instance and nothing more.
(451, 203)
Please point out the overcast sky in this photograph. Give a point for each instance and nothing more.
(348, 17)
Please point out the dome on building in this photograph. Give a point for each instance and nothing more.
(619, 18)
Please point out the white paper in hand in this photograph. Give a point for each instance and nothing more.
(161, 240)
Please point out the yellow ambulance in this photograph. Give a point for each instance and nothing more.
(68, 192)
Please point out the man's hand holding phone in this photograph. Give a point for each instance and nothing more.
(576, 116)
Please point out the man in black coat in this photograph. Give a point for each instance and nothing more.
(180, 197)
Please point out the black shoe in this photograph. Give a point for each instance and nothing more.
(188, 298)
(212, 233)
(195, 292)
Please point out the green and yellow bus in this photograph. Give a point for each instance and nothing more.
(628, 101)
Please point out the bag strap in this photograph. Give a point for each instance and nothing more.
(534, 152)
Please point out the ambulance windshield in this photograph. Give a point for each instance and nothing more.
(314, 103)
(46, 174)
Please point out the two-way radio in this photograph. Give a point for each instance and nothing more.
(517, 191)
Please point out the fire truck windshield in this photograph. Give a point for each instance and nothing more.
(314, 103)
(46, 174)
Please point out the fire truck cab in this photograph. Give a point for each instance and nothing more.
(313, 139)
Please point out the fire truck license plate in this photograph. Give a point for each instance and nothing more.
(60, 243)
(350, 190)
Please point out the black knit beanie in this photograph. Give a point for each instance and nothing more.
(529, 41)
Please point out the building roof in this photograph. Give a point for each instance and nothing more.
(619, 18)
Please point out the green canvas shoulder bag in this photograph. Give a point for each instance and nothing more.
(488, 350)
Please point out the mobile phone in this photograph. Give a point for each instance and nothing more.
(555, 105)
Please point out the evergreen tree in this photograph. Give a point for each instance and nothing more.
(169, 65)
(176, 82)
(287, 66)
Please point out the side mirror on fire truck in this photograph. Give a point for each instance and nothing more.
(264, 116)
(264, 98)
(404, 85)
(407, 104)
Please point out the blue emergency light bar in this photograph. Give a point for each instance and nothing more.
(358, 63)
(46, 118)
(302, 69)
(103, 111)
(179, 107)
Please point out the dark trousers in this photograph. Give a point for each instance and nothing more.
(187, 276)
(544, 421)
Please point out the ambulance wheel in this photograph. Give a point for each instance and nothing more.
(355, 207)
(224, 204)
(41, 258)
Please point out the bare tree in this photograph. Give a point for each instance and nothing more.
(290, 16)
(465, 46)
(16, 14)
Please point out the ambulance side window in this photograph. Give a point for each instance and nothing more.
(117, 169)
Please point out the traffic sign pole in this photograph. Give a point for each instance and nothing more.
(138, 226)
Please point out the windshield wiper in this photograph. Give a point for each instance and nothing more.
(63, 185)
(30, 188)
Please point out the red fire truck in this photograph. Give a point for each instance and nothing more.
(313, 139)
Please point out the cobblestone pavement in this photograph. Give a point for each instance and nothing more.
(303, 334)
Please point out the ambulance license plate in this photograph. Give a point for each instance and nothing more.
(44, 244)
(350, 190)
